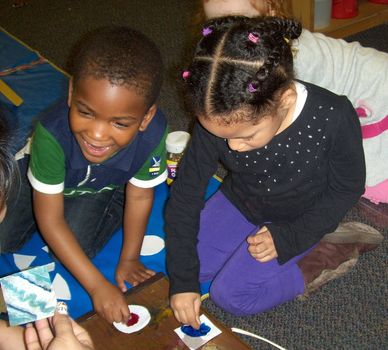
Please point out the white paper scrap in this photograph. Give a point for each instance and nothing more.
(194, 343)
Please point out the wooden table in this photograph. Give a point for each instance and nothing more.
(159, 333)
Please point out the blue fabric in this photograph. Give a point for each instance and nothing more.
(40, 87)
(106, 261)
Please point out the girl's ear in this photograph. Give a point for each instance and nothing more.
(288, 98)
(147, 118)
(70, 94)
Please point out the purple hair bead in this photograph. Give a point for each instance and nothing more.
(252, 87)
(206, 31)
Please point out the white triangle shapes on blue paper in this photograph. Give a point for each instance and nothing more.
(151, 245)
(61, 288)
(22, 261)
(45, 248)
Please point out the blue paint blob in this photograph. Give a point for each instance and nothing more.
(192, 332)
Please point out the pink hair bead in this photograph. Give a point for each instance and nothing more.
(253, 37)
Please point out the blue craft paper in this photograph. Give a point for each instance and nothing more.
(28, 295)
(192, 332)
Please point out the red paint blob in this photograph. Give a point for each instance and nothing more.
(133, 319)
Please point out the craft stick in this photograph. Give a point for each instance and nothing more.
(10, 94)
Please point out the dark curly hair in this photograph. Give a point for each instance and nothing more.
(123, 56)
(241, 67)
(9, 174)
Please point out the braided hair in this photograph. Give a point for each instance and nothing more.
(241, 67)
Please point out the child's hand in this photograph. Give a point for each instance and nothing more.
(186, 308)
(109, 303)
(132, 271)
(261, 245)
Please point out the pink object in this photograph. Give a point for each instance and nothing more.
(185, 74)
(361, 112)
(378, 193)
(253, 37)
(344, 8)
(375, 129)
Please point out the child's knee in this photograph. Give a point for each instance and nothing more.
(231, 300)
(243, 300)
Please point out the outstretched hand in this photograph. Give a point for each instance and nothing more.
(132, 271)
(262, 246)
(59, 332)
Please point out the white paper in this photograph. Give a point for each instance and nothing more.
(144, 319)
(194, 343)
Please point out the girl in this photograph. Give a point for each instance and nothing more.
(344, 68)
(295, 161)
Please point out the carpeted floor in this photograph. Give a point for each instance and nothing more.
(349, 313)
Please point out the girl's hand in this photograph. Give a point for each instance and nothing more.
(132, 271)
(186, 308)
(58, 333)
(109, 303)
(261, 245)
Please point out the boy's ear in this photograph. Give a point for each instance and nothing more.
(70, 93)
(147, 118)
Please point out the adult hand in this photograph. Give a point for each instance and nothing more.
(109, 303)
(132, 271)
(186, 308)
(57, 333)
(261, 245)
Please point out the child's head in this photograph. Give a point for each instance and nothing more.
(117, 74)
(242, 71)
(248, 8)
(8, 167)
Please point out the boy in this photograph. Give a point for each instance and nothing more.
(109, 134)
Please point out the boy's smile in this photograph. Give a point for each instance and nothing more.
(105, 118)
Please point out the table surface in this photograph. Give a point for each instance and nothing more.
(159, 333)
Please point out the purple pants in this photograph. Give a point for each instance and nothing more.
(241, 285)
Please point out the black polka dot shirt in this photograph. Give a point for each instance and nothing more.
(300, 184)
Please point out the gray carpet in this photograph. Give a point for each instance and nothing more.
(348, 313)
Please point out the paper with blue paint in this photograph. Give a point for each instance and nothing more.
(192, 332)
(194, 342)
(28, 295)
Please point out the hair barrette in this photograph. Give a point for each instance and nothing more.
(185, 74)
(206, 31)
(253, 37)
(252, 87)
(287, 40)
